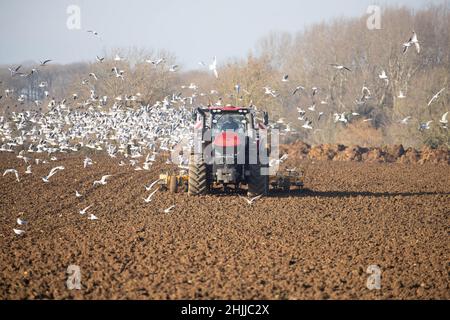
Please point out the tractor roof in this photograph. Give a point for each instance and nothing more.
(225, 109)
(229, 108)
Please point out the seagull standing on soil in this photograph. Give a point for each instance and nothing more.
(18, 232)
(92, 217)
(77, 194)
(87, 162)
(21, 222)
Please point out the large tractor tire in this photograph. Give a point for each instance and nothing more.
(198, 177)
(257, 182)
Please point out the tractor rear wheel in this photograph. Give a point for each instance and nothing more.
(257, 183)
(198, 176)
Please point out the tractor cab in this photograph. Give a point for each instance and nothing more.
(229, 123)
(228, 130)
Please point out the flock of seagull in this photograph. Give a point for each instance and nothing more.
(343, 117)
(135, 136)
(346, 116)
(138, 135)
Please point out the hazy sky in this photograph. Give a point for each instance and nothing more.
(194, 30)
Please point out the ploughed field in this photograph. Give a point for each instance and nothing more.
(315, 244)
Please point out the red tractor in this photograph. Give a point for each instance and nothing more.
(229, 150)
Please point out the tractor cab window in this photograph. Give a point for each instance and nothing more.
(229, 122)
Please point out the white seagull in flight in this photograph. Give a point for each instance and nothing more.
(250, 201)
(436, 96)
(412, 41)
(52, 172)
(213, 67)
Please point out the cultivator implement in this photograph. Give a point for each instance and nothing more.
(286, 181)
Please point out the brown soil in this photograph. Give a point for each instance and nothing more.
(388, 154)
(312, 245)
